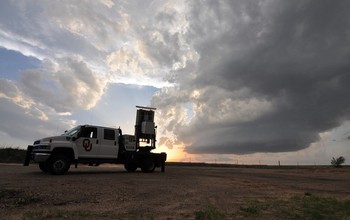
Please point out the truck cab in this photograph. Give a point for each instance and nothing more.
(96, 142)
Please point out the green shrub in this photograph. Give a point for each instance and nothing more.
(210, 212)
(337, 162)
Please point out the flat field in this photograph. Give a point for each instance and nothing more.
(182, 192)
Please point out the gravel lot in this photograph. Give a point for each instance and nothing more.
(108, 192)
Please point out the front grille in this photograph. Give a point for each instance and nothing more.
(41, 147)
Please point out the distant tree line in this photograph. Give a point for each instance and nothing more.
(12, 155)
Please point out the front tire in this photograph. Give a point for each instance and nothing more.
(59, 165)
(44, 167)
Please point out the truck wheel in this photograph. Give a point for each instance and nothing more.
(130, 167)
(148, 165)
(59, 164)
(44, 167)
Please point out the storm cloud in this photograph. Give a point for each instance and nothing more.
(271, 76)
(234, 77)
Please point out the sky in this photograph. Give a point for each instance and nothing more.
(233, 81)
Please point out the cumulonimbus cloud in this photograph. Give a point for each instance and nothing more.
(270, 78)
(245, 76)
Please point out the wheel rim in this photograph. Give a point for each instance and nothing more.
(59, 165)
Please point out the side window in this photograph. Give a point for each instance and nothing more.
(109, 134)
(90, 132)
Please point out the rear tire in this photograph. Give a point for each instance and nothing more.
(59, 165)
(148, 165)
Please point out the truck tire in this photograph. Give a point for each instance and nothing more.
(44, 167)
(130, 167)
(59, 164)
(148, 165)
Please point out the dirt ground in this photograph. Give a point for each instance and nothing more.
(108, 192)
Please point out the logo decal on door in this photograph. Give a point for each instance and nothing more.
(87, 145)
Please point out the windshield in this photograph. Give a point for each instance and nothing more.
(72, 131)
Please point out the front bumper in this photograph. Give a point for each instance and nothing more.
(35, 156)
(40, 157)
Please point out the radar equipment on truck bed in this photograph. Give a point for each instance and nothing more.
(145, 129)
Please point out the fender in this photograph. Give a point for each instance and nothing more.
(68, 144)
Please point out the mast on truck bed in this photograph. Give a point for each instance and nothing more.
(145, 129)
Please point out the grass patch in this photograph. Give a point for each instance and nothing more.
(26, 200)
(16, 198)
(61, 213)
(250, 209)
(210, 212)
(314, 207)
(64, 214)
(298, 207)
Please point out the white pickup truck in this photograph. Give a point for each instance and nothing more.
(93, 145)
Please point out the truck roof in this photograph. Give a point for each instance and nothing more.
(88, 125)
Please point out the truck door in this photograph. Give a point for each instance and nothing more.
(87, 143)
(109, 144)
